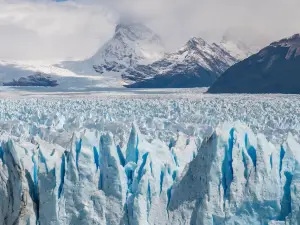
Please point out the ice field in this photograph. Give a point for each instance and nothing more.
(157, 112)
(149, 157)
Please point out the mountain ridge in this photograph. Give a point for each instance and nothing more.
(135, 57)
(132, 43)
(274, 69)
(196, 64)
(137, 54)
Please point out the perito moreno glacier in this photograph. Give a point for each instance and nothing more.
(123, 112)
(230, 175)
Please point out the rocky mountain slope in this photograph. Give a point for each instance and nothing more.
(197, 64)
(136, 54)
(131, 44)
(37, 79)
(134, 57)
(275, 69)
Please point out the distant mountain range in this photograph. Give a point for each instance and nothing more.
(197, 64)
(274, 69)
(137, 54)
(135, 57)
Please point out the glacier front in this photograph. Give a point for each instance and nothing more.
(146, 157)
(232, 176)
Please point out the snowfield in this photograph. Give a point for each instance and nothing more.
(149, 157)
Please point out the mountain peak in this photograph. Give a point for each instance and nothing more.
(129, 27)
(296, 36)
(275, 69)
(132, 43)
(135, 32)
(120, 26)
(198, 50)
(194, 41)
(196, 64)
(288, 42)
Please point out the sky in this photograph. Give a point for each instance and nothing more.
(48, 30)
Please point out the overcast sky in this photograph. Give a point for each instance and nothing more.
(47, 30)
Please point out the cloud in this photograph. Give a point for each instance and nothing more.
(52, 31)
(177, 20)
(41, 29)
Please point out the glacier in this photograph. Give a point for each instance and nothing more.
(123, 159)
(216, 182)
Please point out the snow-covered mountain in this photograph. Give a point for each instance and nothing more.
(274, 69)
(242, 42)
(136, 54)
(135, 57)
(66, 79)
(196, 64)
(238, 49)
(131, 44)
(210, 57)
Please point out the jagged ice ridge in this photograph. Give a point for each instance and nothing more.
(84, 161)
(234, 176)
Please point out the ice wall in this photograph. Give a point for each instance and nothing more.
(238, 178)
(233, 176)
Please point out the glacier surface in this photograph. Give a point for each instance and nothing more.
(151, 159)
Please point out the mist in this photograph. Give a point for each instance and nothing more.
(47, 30)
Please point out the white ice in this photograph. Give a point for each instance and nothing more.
(135, 158)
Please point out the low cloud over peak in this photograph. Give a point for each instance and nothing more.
(76, 29)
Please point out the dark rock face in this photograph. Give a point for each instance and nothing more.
(138, 55)
(138, 73)
(37, 79)
(275, 69)
(109, 67)
(179, 77)
(197, 64)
